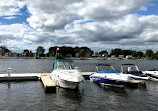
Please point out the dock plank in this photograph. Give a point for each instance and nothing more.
(47, 82)
(86, 73)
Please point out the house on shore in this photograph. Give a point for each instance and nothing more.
(128, 56)
(113, 56)
(121, 56)
(8, 54)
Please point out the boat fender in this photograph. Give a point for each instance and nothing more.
(58, 84)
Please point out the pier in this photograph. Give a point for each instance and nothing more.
(20, 77)
(46, 79)
(47, 82)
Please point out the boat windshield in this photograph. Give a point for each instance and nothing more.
(129, 68)
(103, 67)
(65, 65)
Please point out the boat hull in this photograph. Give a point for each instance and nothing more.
(138, 77)
(153, 74)
(106, 81)
(65, 84)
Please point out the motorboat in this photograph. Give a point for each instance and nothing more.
(152, 73)
(133, 72)
(65, 74)
(110, 76)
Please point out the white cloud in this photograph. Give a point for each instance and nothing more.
(130, 30)
(56, 14)
(11, 7)
(66, 22)
(10, 17)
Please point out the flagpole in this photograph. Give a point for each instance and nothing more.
(56, 52)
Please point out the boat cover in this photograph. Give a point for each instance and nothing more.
(109, 71)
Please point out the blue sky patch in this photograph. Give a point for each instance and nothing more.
(21, 18)
(152, 9)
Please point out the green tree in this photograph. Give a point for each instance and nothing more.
(52, 51)
(4, 49)
(66, 50)
(97, 54)
(140, 54)
(40, 51)
(134, 54)
(82, 53)
(103, 52)
(30, 54)
(89, 53)
(126, 52)
(26, 52)
(149, 53)
(116, 52)
(156, 55)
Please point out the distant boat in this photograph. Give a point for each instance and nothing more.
(65, 74)
(133, 72)
(152, 73)
(109, 76)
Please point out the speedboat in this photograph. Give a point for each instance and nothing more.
(65, 74)
(152, 73)
(110, 76)
(133, 72)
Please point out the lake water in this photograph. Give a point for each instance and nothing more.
(30, 95)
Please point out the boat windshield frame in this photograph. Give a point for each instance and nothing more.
(63, 65)
(106, 65)
(136, 67)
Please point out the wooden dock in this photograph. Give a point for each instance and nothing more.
(47, 82)
(137, 82)
(86, 74)
(19, 77)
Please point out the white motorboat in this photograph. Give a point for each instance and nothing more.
(108, 77)
(152, 73)
(65, 75)
(133, 72)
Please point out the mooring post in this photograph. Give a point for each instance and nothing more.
(8, 71)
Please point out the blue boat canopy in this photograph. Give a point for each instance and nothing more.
(109, 71)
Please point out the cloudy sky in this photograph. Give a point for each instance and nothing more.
(98, 24)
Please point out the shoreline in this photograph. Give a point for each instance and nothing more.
(82, 58)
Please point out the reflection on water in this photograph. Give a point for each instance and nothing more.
(30, 96)
(72, 95)
(70, 99)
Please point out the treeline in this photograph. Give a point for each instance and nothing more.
(64, 51)
(70, 51)
(149, 54)
(67, 51)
